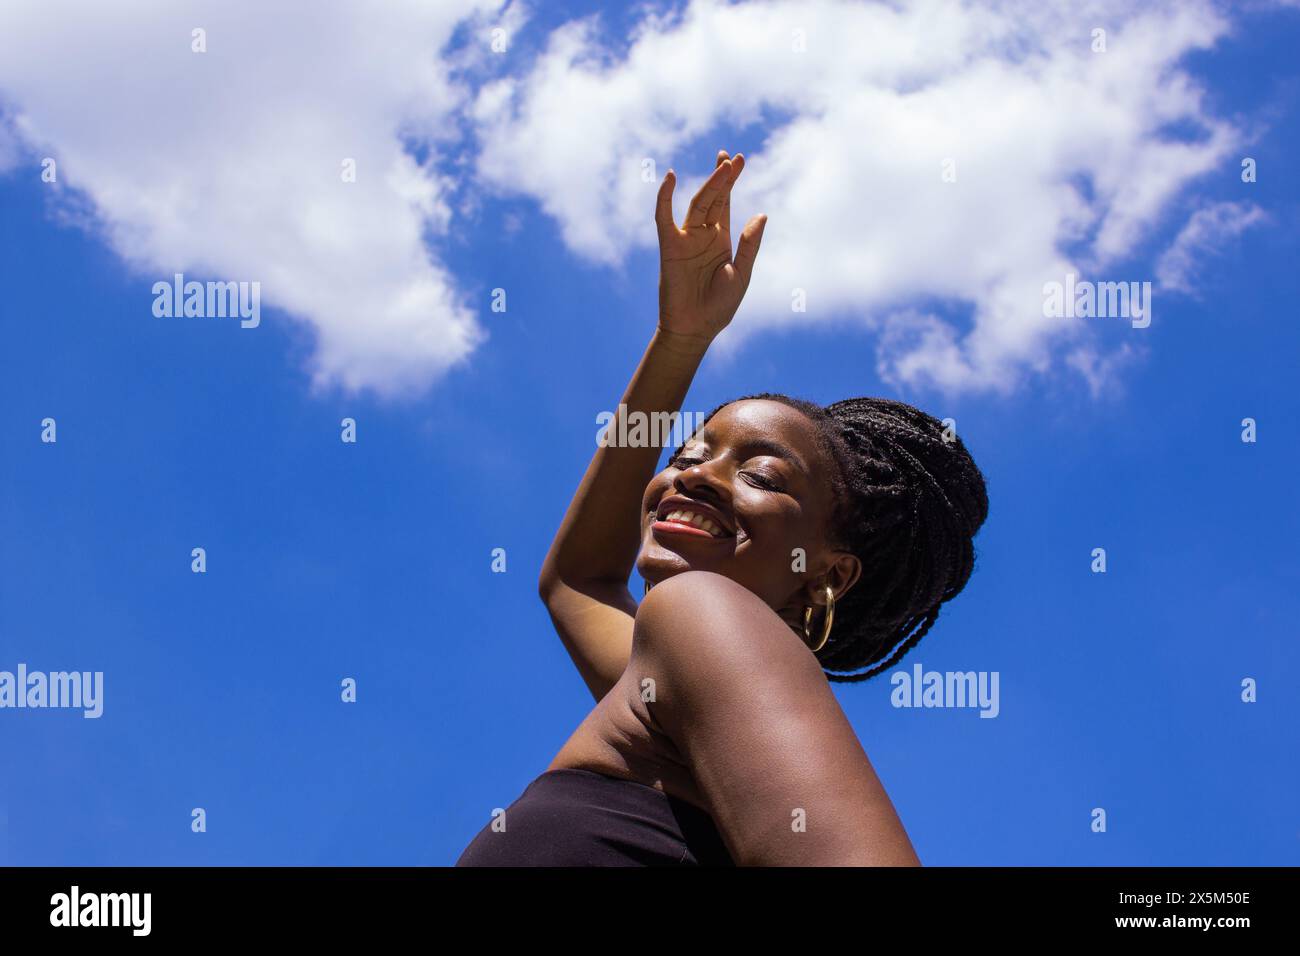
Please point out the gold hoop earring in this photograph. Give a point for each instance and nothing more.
(648, 586)
(826, 622)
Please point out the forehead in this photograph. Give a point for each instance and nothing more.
(764, 422)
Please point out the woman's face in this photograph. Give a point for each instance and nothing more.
(751, 487)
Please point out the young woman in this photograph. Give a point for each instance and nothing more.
(785, 545)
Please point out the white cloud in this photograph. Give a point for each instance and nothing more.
(1206, 231)
(1065, 158)
(227, 164)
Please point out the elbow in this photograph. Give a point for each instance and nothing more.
(558, 590)
(552, 586)
(548, 582)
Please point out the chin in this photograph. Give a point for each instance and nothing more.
(658, 563)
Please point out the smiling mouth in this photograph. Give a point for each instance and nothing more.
(689, 522)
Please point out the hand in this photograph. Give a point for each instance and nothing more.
(700, 284)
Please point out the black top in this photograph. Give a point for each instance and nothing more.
(576, 817)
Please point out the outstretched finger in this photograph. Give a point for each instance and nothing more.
(698, 214)
(720, 212)
(664, 206)
(747, 249)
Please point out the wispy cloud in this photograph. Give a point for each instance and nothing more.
(1205, 233)
(10, 151)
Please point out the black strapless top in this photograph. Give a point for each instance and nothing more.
(574, 817)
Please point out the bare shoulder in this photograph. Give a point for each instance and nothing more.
(709, 630)
(748, 706)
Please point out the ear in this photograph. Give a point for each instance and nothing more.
(841, 571)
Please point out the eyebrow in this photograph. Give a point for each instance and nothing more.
(769, 445)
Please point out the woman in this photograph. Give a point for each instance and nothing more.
(785, 545)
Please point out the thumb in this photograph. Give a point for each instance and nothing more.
(747, 249)
(664, 205)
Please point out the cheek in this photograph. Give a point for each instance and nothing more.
(654, 491)
(793, 525)
(779, 528)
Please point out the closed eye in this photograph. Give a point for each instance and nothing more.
(762, 481)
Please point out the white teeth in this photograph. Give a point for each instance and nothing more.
(695, 520)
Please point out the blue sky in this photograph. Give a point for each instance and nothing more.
(373, 560)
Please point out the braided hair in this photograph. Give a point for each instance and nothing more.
(908, 502)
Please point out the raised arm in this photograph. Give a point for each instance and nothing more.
(584, 577)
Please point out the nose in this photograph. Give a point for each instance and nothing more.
(704, 483)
